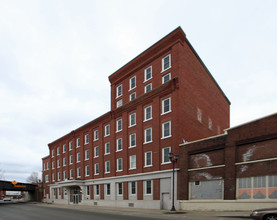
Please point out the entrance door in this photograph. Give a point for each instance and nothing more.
(75, 195)
(75, 199)
(165, 201)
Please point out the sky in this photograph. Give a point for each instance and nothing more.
(56, 56)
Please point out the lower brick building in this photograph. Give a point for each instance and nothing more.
(233, 171)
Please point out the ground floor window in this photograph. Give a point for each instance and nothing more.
(211, 189)
(258, 187)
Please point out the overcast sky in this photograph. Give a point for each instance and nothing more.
(56, 56)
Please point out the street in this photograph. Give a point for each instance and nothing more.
(30, 211)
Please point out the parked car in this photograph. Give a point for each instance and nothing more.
(7, 199)
(264, 214)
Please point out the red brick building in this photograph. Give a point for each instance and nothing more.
(160, 99)
(232, 171)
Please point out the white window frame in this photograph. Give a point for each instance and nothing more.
(131, 136)
(119, 125)
(64, 148)
(107, 130)
(132, 119)
(145, 73)
(87, 154)
(146, 88)
(119, 161)
(87, 170)
(164, 76)
(119, 91)
(70, 159)
(132, 162)
(145, 135)
(70, 146)
(78, 142)
(145, 113)
(96, 135)
(132, 96)
(88, 190)
(145, 159)
(58, 163)
(96, 169)
(163, 63)
(58, 151)
(97, 190)
(119, 103)
(130, 83)
(118, 191)
(163, 155)
(145, 185)
(163, 129)
(107, 148)
(71, 173)
(64, 161)
(96, 151)
(163, 106)
(59, 176)
(108, 191)
(86, 139)
(107, 166)
(131, 188)
(117, 144)
(64, 175)
(53, 165)
(53, 177)
(78, 156)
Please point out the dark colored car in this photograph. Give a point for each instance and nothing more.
(264, 214)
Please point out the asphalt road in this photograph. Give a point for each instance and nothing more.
(29, 211)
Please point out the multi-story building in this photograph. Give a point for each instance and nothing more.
(160, 99)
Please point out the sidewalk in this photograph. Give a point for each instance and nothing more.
(155, 213)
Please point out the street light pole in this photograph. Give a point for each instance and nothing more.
(173, 160)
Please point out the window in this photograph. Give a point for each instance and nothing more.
(96, 135)
(119, 91)
(53, 165)
(78, 157)
(119, 144)
(107, 148)
(132, 120)
(199, 114)
(58, 163)
(64, 161)
(132, 162)
(132, 139)
(87, 170)
(78, 142)
(46, 178)
(88, 190)
(53, 177)
(132, 83)
(133, 96)
(107, 130)
(59, 176)
(86, 154)
(53, 153)
(71, 173)
(119, 164)
(120, 188)
(166, 62)
(107, 166)
(64, 148)
(59, 191)
(165, 156)
(148, 187)
(148, 88)
(47, 165)
(58, 151)
(119, 103)
(64, 175)
(96, 151)
(96, 169)
(166, 105)
(147, 135)
(133, 188)
(86, 139)
(70, 145)
(108, 189)
(71, 159)
(166, 129)
(210, 123)
(119, 125)
(97, 190)
(147, 73)
(148, 159)
(148, 113)
(166, 78)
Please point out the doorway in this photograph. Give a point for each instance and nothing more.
(165, 201)
(75, 195)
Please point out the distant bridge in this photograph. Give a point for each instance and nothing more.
(15, 186)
